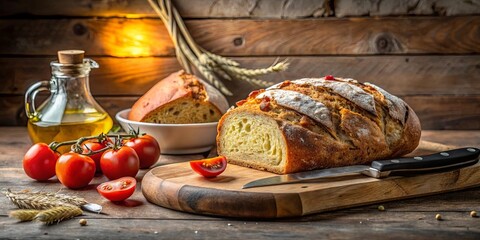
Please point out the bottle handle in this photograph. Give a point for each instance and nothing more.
(30, 97)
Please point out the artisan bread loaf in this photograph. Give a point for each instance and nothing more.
(315, 123)
(180, 98)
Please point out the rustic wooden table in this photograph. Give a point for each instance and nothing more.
(138, 219)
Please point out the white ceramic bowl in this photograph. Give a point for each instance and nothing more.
(175, 138)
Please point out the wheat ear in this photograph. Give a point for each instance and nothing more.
(42, 200)
(24, 214)
(213, 67)
(58, 214)
(281, 66)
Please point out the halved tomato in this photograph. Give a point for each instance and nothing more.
(210, 167)
(118, 189)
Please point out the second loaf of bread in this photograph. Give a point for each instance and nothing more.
(316, 123)
(177, 99)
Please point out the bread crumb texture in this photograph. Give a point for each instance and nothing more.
(255, 141)
(184, 111)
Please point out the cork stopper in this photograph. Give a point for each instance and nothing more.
(71, 56)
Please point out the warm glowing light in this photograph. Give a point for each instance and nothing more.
(129, 40)
(133, 16)
(136, 51)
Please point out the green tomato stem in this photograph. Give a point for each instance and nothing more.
(90, 152)
(76, 144)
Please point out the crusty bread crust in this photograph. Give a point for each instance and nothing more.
(165, 91)
(411, 135)
(177, 88)
(215, 97)
(358, 136)
(316, 151)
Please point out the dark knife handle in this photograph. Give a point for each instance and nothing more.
(442, 160)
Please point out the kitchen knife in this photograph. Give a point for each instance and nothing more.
(456, 158)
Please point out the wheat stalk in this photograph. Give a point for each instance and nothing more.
(256, 72)
(42, 200)
(24, 214)
(221, 60)
(213, 67)
(58, 214)
(255, 81)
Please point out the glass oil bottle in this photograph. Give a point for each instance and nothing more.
(70, 112)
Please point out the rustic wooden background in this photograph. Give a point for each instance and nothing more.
(426, 51)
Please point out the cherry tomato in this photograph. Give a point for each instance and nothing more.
(120, 163)
(119, 189)
(147, 149)
(39, 162)
(94, 146)
(210, 167)
(75, 170)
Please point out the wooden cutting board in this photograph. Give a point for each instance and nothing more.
(176, 186)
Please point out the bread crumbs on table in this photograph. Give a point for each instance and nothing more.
(83, 222)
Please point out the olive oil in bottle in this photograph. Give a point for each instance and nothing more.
(71, 111)
(44, 132)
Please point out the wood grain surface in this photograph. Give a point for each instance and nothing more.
(137, 218)
(174, 186)
(445, 112)
(400, 75)
(148, 37)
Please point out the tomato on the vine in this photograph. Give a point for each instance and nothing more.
(94, 146)
(39, 162)
(122, 162)
(210, 167)
(119, 189)
(75, 170)
(147, 149)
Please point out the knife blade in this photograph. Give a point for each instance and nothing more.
(92, 207)
(446, 160)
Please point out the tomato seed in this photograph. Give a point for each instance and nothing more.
(211, 166)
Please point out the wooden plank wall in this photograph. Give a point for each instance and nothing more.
(424, 51)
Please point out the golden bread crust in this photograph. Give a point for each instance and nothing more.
(360, 133)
